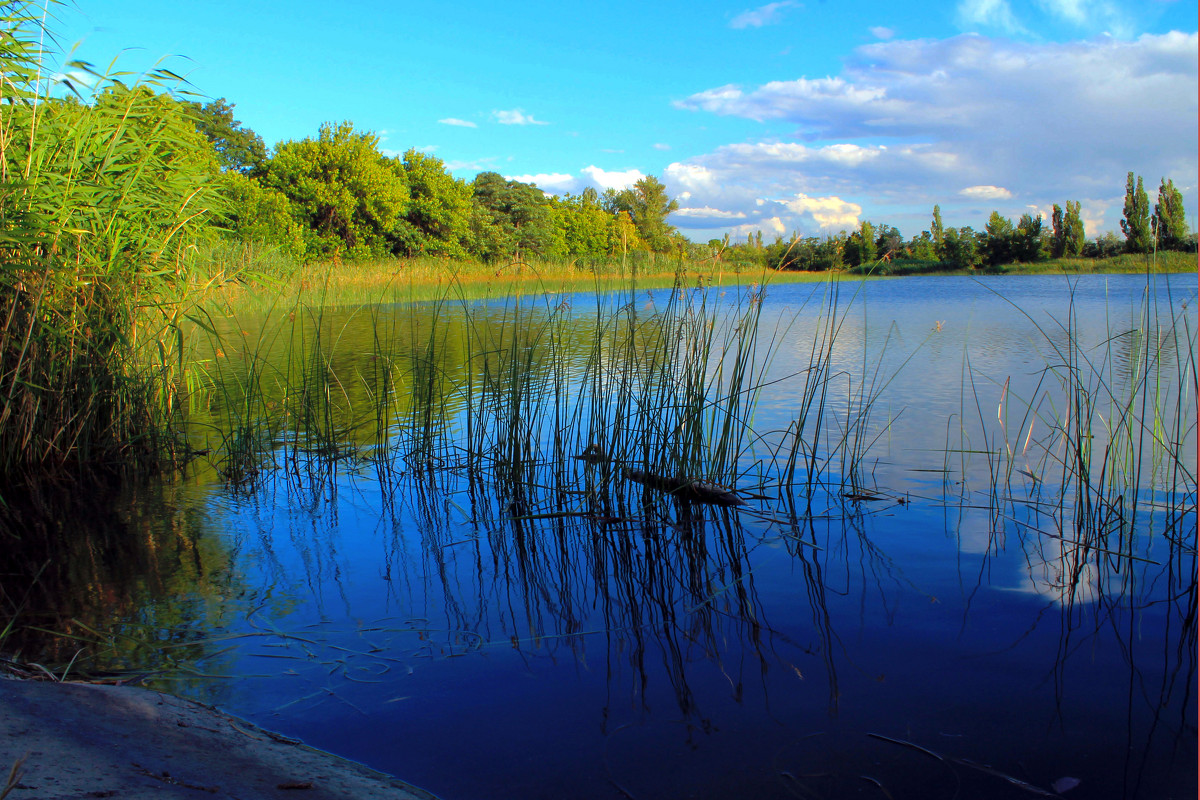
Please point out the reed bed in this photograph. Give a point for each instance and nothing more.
(516, 389)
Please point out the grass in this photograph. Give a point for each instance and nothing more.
(512, 386)
(1127, 263)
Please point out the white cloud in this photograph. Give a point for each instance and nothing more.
(880, 32)
(911, 123)
(829, 212)
(781, 99)
(988, 13)
(770, 14)
(1092, 15)
(552, 182)
(515, 116)
(461, 123)
(708, 214)
(773, 226)
(661, 146)
(478, 165)
(603, 179)
(986, 192)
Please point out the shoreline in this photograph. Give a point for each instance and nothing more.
(70, 740)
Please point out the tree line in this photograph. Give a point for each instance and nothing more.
(1001, 242)
(338, 194)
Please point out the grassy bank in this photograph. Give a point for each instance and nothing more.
(245, 277)
(1128, 263)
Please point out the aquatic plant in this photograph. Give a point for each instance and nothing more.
(100, 202)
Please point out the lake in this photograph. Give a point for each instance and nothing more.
(976, 576)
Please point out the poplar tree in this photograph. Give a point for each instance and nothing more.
(1170, 224)
(935, 229)
(1058, 239)
(1136, 224)
(1074, 235)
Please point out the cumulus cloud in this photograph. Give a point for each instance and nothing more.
(515, 116)
(829, 212)
(880, 32)
(621, 179)
(913, 122)
(770, 14)
(707, 214)
(551, 182)
(460, 123)
(986, 192)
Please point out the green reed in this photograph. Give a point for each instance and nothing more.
(512, 391)
(1107, 434)
(99, 203)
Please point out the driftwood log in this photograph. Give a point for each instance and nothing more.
(699, 491)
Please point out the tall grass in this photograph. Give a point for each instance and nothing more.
(1103, 442)
(665, 385)
(101, 200)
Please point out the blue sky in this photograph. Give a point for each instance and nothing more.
(789, 116)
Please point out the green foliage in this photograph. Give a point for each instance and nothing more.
(1067, 240)
(101, 202)
(517, 218)
(347, 194)
(998, 247)
(1027, 240)
(647, 205)
(923, 248)
(1170, 222)
(960, 247)
(238, 148)
(258, 213)
(439, 220)
(860, 247)
(811, 254)
(888, 240)
(1058, 237)
(936, 229)
(1074, 236)
(1136, 224)
(588, 230)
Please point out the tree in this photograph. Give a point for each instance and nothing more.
(936, 230)
(648, 206)
(586, 227)
(922, 247)
(1027, 241)
(1074, 236)
(238, 148)
(1058, 239)
(860, 246)
(258, 213)
(998, 247)
(519, 214)
(960, 247)
(438, 220)
(1136, 224)
(888, 240)
(348, 194)
(1170, 223)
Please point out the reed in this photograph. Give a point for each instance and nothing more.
(101, 201)
(510, 391)
(1105, 437)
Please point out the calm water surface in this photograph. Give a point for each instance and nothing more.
(920, 644)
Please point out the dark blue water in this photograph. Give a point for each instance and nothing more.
(942, 639)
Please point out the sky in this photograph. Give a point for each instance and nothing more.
(795, 116)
